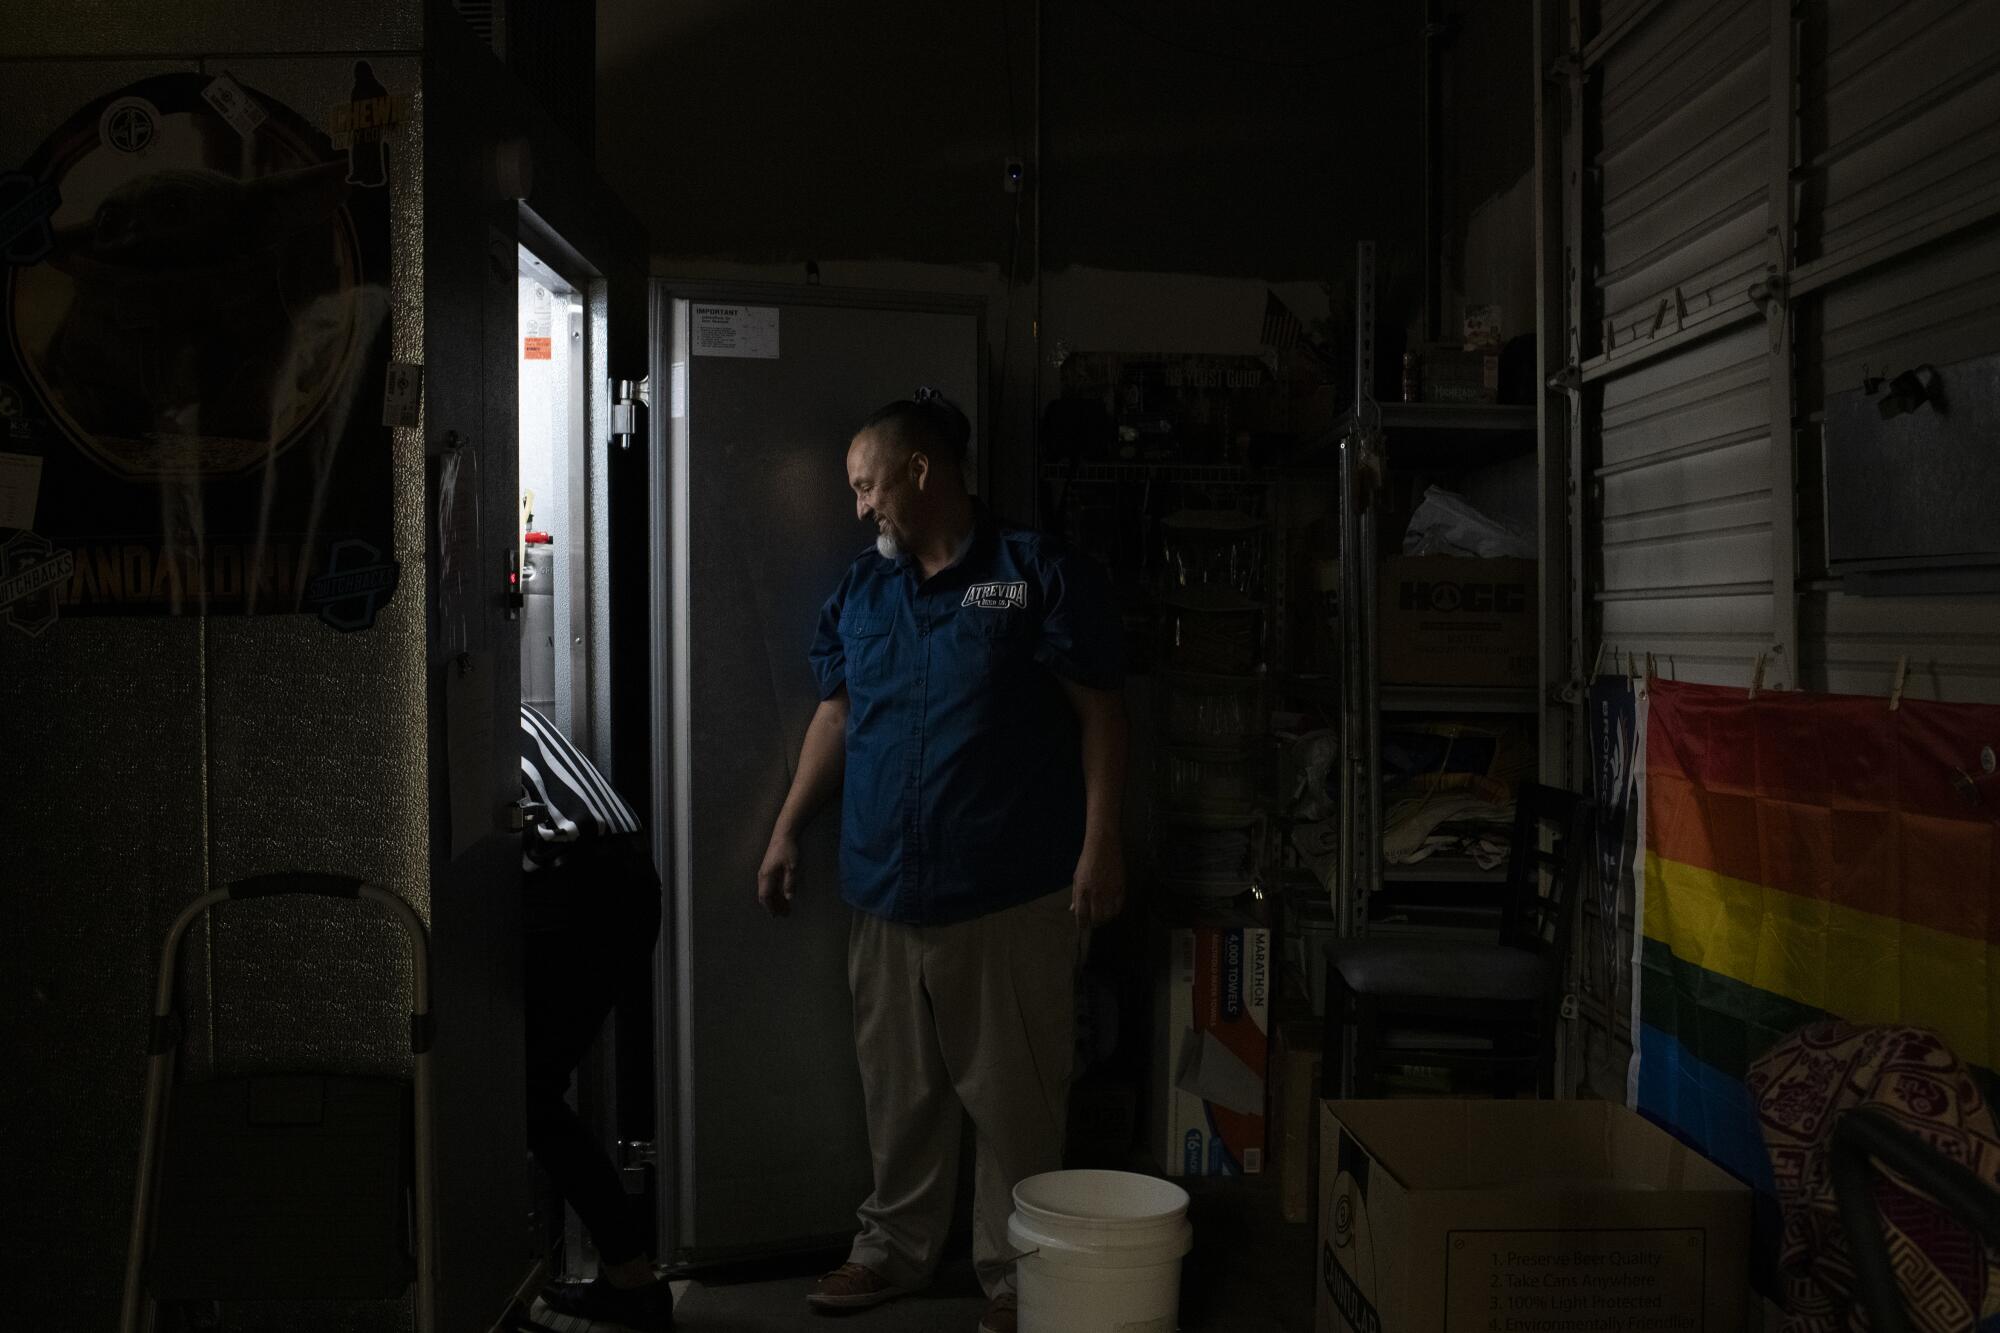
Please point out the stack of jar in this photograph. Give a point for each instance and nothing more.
(1214, 722)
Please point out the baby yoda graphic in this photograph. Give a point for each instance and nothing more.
(209, 318)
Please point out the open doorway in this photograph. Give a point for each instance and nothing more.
(561, 527)
(554, 538)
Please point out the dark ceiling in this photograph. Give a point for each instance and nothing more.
(1178, 135)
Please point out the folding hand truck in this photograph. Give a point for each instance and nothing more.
(288, 1185)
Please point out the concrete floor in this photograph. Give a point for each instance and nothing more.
(1250, 1272)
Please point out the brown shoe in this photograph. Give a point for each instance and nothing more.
(1000, 1316)
(851, 1287)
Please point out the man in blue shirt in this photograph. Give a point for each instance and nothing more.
(970, 715)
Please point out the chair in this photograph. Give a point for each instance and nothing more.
(1482, 1008)
(1864, 1136)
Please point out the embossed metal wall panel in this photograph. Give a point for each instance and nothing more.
(299, 980)
(101, 723)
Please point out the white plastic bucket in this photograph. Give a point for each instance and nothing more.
(1101, 1252)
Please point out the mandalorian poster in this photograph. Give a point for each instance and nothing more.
(197, 337)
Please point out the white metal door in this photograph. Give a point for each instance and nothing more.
(768, 1146)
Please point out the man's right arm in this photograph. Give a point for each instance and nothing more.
(822, 761)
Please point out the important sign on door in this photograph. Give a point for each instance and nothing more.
(735, 330)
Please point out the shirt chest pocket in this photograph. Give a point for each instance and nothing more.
(865, 640)
(999, 637)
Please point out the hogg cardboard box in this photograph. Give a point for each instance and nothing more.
(1513, 1216)
(1210, 1045)
(1457, 620)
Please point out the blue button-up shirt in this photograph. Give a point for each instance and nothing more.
(964, 783)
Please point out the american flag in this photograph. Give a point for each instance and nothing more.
(1281, 326)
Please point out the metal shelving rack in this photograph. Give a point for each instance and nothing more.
(1360, 723)
(1364, 464)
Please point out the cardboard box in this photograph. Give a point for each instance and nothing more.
(1458, 375)
(1210, 1046)
(1455, 620)
(1295, 1101)
(1490, 1216)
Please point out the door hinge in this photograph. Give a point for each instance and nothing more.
(636, 1158)
(626, 398)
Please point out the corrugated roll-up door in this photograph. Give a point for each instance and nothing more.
(1677, 404)
(1899, 265)
(1763, 202)
(1670, 224)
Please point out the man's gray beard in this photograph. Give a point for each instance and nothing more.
(887, 546)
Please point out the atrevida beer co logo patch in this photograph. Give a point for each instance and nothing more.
(997, 596)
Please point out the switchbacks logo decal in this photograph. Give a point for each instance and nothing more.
(32, 573)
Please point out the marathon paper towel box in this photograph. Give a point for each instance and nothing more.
(1211, 1047)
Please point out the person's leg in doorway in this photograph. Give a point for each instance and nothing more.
(1004, 987)
(569, 996)
(587, 948)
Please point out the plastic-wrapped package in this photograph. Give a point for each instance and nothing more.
(1445, 524)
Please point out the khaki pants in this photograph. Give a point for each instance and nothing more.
(980, 1015)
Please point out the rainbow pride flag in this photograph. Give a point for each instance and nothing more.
(1806, 855)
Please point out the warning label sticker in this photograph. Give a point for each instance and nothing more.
(735, 330)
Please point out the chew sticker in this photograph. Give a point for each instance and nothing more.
(362, 123)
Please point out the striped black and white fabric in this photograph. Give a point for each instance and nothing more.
(578, 803)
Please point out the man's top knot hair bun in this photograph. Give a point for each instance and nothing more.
(925, 422)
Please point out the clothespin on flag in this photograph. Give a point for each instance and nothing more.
(1651, 671)
(1597, 662)
(1896, 686)
(1757, 674)
(1631, 666)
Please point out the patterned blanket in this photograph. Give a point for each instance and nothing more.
(1950, 1281)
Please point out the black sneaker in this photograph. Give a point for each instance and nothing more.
(647, 1309)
